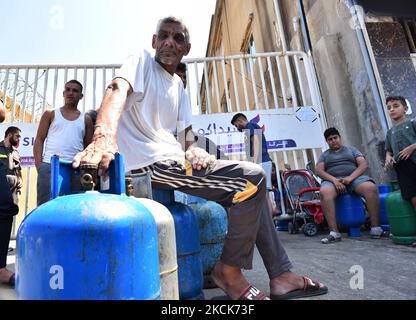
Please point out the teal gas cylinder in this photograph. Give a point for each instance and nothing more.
(402, 218)
(213, 224)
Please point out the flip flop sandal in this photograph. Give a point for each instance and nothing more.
(310, 289)
(250, 293)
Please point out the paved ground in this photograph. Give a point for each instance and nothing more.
(389, 270)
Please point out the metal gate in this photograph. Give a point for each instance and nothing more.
(264, 81)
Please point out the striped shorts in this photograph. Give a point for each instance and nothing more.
(240, 186)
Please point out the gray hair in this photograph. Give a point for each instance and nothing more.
(172, 19)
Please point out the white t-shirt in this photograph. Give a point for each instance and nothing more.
(154, 113)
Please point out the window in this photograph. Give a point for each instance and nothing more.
(409, 27)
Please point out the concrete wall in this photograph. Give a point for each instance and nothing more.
(347, 97)
(346, 93)
(392, 55)
(349, 103)
(348, 100)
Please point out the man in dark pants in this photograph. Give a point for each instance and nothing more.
(256, 150)
(8, 209)
(10, 158)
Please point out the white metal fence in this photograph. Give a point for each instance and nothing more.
(217, 84)
(263, 81)
(253, 82)
(29, 90)
(284, 81)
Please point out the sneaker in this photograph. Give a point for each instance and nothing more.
(384, 234)
(330, 239)
(378, 232)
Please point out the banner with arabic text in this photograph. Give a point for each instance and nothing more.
(283, 131)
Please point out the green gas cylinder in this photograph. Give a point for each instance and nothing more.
(402, 218)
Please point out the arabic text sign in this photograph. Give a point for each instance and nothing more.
(282, 130)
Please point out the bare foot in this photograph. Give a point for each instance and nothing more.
(229, 279)
(286, 282)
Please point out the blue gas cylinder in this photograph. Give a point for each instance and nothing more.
(88, 245)
(188, 248)
(384, 191)
(350, 213)
(282, 225)
(213, 226)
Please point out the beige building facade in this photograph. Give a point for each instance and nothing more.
(362, 51)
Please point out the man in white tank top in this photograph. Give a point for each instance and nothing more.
(143, 108)
(63, 131)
